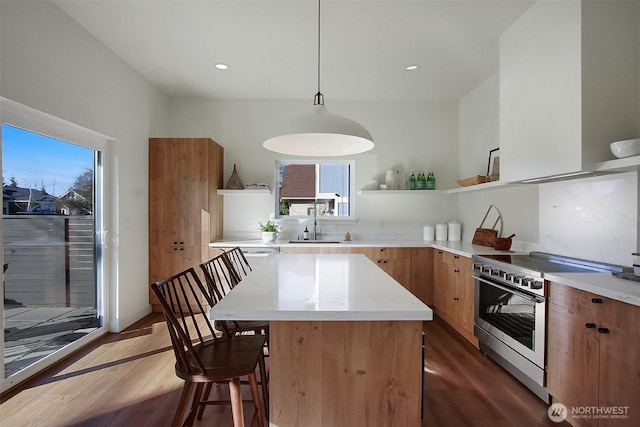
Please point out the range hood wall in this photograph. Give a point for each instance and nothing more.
(565, 73)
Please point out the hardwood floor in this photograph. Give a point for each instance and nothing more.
(127, 379)
(463, 387)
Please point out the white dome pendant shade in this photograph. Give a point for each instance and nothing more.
(320, 133)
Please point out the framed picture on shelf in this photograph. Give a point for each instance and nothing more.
(493, 167)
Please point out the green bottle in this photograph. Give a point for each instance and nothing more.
(431, 181)
(412, 182)
(422, 182)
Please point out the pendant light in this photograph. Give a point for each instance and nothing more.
(319, 132)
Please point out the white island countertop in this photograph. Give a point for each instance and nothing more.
(320, 287)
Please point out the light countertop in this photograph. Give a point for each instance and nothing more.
(316, 287)
(604, 284)
(465, 249)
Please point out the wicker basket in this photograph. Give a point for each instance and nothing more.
(478, 179)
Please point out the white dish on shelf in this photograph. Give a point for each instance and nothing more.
(626, 148)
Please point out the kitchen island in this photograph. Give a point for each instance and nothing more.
(345, 340)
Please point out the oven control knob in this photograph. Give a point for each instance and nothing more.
(508, 276)
(486, 269)
(536, 284)
(477, 267)
(526, 281)
(496, 272)
(517, 279)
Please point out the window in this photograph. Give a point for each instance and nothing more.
(313, 187)
(52, 230)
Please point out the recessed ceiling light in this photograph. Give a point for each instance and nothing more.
(222, 66)
(412, 67)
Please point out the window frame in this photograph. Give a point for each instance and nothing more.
(315, 161)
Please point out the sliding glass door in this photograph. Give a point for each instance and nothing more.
(52, 228)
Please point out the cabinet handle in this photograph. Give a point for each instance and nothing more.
(603, 330)
(440, 252)
(456, 256)
(455, 270)
(596, 300)
(590, 325)
(175, 243)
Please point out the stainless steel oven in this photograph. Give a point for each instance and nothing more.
(510, 321)
(511, 310)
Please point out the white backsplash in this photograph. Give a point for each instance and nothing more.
(594, 218)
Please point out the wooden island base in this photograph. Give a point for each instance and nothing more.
(350, 373)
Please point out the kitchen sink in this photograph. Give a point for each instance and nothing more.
(314, 241)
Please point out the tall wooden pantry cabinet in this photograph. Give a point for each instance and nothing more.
(185, 211)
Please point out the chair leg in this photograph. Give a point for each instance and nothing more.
(205, 396)
(253, 383)
(263, 382)
(181, 410)
(237, 411)
(195, 403)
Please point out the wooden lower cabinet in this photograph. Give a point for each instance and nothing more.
(453, 292)
(353, 373)
(593, 357)
(396, 262)
(421, 281)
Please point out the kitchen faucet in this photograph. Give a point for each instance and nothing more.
(315, 219)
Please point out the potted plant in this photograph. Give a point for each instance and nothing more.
(269, 231)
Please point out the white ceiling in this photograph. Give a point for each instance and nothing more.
(271, 46)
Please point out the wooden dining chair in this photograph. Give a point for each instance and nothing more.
(204, 357)
(239, 262)
(220, 276)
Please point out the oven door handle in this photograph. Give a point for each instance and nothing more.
(533, 298)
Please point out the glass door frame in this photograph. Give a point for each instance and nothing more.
(18, 115)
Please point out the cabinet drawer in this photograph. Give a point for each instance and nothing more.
(458, 261)
(382, 252)
(615, 313)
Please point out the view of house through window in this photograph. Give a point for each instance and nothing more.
(320, 188)
(49, 245)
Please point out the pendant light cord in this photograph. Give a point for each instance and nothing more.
(319, 98)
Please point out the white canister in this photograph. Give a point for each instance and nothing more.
(428, 233)
(390, 180)
(454, 230)
(441, 231)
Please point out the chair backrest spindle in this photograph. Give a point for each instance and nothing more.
(186, 317)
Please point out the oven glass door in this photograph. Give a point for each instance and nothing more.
(514, 317)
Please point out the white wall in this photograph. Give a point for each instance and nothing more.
(479, 133)
(479, 130)
(409, 136)
(53, 65)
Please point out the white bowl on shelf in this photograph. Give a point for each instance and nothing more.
(626, 148)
